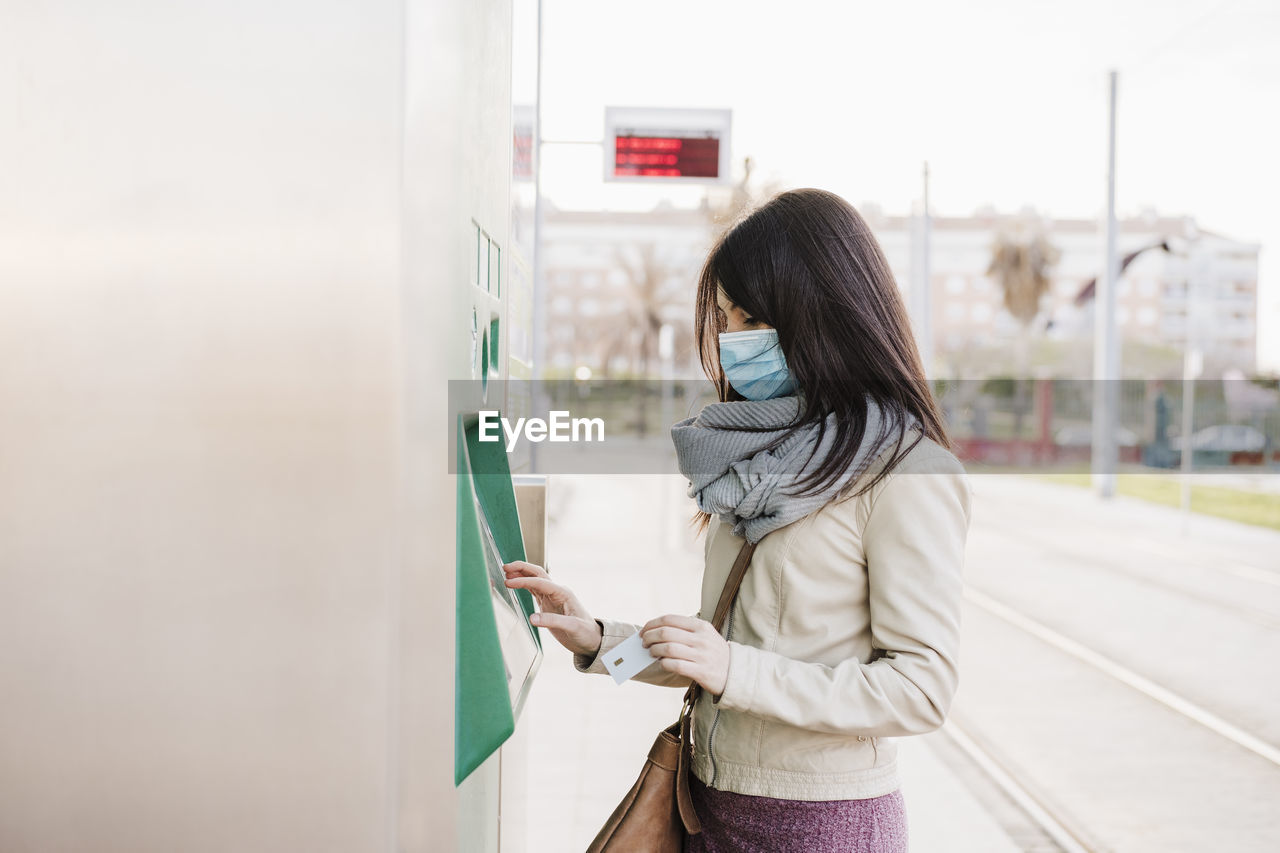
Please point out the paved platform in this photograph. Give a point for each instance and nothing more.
(624, 545)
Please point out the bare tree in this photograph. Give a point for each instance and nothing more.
(647, 274)
(724, 209)
(648, 294)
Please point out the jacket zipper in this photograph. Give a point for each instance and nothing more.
(715, 720)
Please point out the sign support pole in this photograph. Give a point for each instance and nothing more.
(1106, 347)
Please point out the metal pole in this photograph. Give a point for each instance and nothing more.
(926, 288)
(1106, 346)
(539, 332)
(666, 352)
(1192, 365)
(1189, 371)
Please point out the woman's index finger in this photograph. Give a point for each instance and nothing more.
(542, 586)
(524, 568)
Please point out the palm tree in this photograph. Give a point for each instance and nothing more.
(1022, 259)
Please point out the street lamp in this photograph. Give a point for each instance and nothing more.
(1106, 374)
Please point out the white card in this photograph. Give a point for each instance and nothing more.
(627, 658)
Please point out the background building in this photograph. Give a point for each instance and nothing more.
(614, 277)
(1152, 296)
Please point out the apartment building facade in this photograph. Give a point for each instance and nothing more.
(608, 274)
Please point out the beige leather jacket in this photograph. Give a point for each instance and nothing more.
(845, 635)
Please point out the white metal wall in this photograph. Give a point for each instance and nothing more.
(230, 237)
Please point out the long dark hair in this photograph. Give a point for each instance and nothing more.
(807, 264)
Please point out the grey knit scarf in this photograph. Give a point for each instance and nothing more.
(732, 476)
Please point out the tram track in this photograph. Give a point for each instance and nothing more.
(1022, 802)
(1039, 823)
(1124, 675)
(1118, 678)
(1103, 561)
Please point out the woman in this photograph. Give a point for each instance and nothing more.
(828, 450)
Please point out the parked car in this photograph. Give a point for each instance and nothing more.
(1081, 435)
(1226, 438)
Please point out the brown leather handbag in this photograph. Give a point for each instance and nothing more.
(657, 812)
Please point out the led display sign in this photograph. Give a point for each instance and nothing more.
(660, 145)
(669, 156)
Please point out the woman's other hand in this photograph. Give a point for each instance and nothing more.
(560, 612)
(689, 647)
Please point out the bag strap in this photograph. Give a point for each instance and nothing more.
(684, 800)
(731, 585)
(727, 595)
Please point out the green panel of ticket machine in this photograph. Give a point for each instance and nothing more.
(498, 651)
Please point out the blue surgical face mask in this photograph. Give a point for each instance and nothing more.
(754, 364)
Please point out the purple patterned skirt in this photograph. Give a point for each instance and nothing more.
(738, 823)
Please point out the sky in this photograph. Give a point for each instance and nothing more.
(1007, 101)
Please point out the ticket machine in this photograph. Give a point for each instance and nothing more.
(498, 651)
